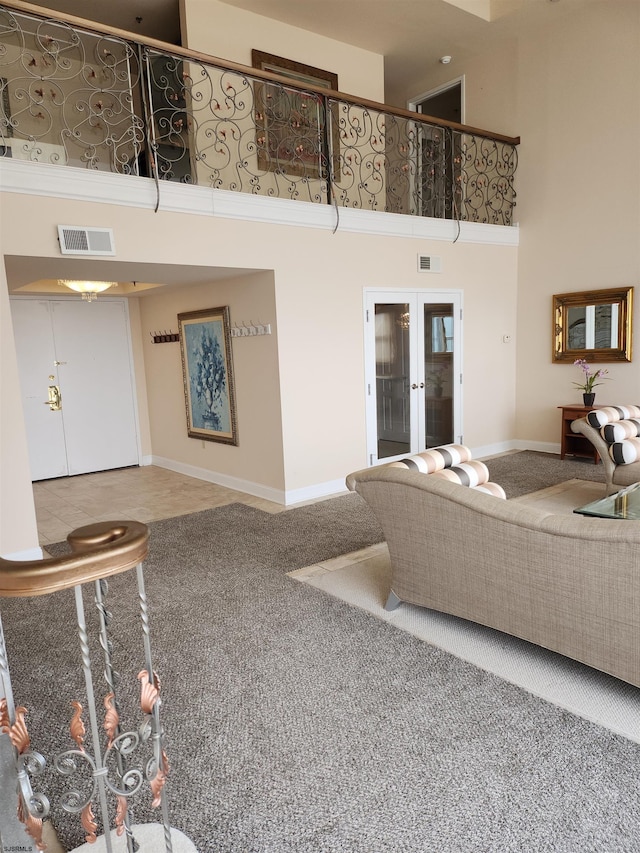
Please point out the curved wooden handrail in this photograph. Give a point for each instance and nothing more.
(98, 551)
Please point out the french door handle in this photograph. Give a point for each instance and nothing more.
(414, 386)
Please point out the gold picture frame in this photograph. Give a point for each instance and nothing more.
(595, 325)
(291, 126)
(207, 370)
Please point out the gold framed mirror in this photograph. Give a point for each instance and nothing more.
(593, 324)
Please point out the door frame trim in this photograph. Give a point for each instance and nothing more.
(455, 295)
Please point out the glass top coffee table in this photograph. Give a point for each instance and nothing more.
(624, 504)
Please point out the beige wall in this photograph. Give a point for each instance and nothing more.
(579, 194)
(258, 457)
(224, 31)
(17, 515)
(571, 91)
(490, 86)
(308, 427)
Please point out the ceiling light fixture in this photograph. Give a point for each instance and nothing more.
(88, 289)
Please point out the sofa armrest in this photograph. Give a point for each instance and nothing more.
(583, 427)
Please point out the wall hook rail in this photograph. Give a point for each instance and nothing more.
(164, 337)
(244, 330)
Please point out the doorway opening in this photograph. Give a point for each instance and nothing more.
(413, 352)
(445, 102)
(437, 183)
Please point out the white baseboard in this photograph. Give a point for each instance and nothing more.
(514, 444)
(29, 554)
(279, 496)
(318, 490)
(239, 485)
(492, 449)
(540, 446)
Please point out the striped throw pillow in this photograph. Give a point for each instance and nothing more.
(491, 489)
(620, 430)
(625, 452)
(435, 459)
(599, 417)
(471, 473)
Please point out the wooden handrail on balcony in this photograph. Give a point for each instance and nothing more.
(98, 551)
(197, 56)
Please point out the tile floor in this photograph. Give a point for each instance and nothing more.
(361, 578)
(143, 494)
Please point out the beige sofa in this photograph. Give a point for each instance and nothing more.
(564, 582)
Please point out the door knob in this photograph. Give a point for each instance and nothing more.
(55, 398)
(414, 386)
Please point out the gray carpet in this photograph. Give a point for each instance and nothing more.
(298, 724)
(529, 471)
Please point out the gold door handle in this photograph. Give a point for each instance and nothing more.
(55, 398)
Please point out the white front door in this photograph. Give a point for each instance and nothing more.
(413, 352)
(38, 371)
(82, 350)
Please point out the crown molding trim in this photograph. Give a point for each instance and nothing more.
(63, 182)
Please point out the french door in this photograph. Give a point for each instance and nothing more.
(74, 364)
(413, 358)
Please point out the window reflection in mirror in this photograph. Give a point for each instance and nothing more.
(595, 325)
(592, 326)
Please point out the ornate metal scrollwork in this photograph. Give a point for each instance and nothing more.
(72, 97)
(67, 95)
(32, 807)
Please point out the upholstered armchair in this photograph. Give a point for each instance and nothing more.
(614, 431)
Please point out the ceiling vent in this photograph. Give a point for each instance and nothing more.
(75, 240)
(429, 263)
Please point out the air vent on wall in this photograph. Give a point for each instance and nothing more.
(76, 240)
(429, 263)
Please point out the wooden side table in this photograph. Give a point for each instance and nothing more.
(572, 443)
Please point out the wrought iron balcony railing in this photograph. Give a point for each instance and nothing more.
(82, 97)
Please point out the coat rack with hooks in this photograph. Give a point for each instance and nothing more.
(164, 337)
(242, 330)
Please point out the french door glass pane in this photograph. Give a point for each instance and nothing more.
(392, 379)
(438, 373)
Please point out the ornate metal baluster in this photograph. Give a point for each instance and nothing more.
(112, 716)
(158, 768)
(100, 770)
(31, 808)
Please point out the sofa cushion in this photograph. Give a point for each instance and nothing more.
(625, 452)
(599, 417)
(436, 459)
(470, 473)
(620, 430)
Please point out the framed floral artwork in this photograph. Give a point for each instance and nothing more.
(207, 369)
